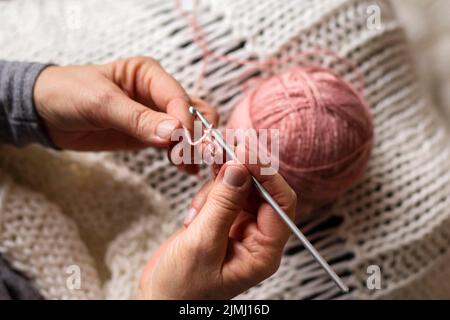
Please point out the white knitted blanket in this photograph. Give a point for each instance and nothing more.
(106, 213)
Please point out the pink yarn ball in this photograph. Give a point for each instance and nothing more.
(325, 131)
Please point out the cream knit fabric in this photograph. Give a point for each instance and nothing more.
(107, 212)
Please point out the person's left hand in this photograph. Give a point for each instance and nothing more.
(128, 104)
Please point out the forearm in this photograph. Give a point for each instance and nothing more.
(19, 122)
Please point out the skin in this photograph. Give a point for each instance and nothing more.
(234, 240)
(115, 106)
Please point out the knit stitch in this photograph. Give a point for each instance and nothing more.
(108, 212)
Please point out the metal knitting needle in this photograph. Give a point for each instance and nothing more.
(265, 194)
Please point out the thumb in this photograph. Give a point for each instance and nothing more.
(223, 203)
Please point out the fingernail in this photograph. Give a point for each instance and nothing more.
(165, 128)
(234, 176)
(190, 215)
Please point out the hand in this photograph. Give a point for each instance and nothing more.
(128, 104)
(233, 243)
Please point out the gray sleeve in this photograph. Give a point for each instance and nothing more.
(19, 122)
(14, 285)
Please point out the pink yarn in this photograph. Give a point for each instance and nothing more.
(325, 128)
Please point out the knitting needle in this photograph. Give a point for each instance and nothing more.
(265, 194)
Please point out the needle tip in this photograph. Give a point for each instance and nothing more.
(192, 110)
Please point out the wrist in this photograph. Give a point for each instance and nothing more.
(23, 124)
(43, 89)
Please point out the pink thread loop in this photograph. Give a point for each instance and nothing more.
(211, 144)
(199, 38)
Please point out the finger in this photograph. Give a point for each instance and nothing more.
(208, 111)
(192, 160)
(168, 95)
(184, 162)
(223, 203)
(242, 226)
(132, 118)
(197, 202)
(268, 221)
(191, 169)
(212, 154)
(181, 112)
(271, 180)
(146, 81)
(200, 197)
(210, 114)
(219, 158)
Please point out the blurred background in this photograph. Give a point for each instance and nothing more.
(427, 24)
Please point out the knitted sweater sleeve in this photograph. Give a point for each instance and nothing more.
(20, 124)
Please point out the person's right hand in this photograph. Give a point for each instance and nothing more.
(234, 241)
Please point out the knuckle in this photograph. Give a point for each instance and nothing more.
(223, 200)
(143, 60)
(104, 97)
(292, 198)
(288, 199)
(138, 119)
(135, 64)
